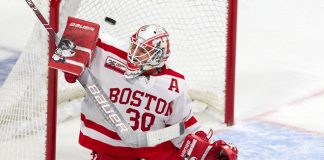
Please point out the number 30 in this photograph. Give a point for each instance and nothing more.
(147, 119)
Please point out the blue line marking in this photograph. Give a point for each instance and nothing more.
(7, 64)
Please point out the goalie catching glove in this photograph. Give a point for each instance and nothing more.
(197, 146)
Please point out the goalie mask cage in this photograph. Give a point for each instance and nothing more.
(202, 37)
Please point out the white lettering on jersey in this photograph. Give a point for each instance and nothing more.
(113, 117)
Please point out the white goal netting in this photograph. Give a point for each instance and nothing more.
(198, 34)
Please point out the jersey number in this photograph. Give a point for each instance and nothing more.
(146, 120)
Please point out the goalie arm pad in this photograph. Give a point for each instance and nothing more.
(198, 146)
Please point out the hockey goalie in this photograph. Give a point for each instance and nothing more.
(149, 96)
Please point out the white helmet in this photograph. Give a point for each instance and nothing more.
(149, 49)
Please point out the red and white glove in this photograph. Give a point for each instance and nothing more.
(197, 146)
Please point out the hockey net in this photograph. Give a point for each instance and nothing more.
(200, 40)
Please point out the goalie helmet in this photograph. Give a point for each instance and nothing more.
(149, 49)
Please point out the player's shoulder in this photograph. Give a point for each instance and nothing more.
(171, 78)
(111, 45)
(171, 73)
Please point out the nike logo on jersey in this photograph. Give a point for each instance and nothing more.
(115, 64)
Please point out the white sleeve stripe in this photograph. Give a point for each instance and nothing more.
(192, 146)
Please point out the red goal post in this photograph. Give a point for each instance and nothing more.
(51, 120)
(230, 63)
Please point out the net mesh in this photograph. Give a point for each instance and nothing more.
(24, 98)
